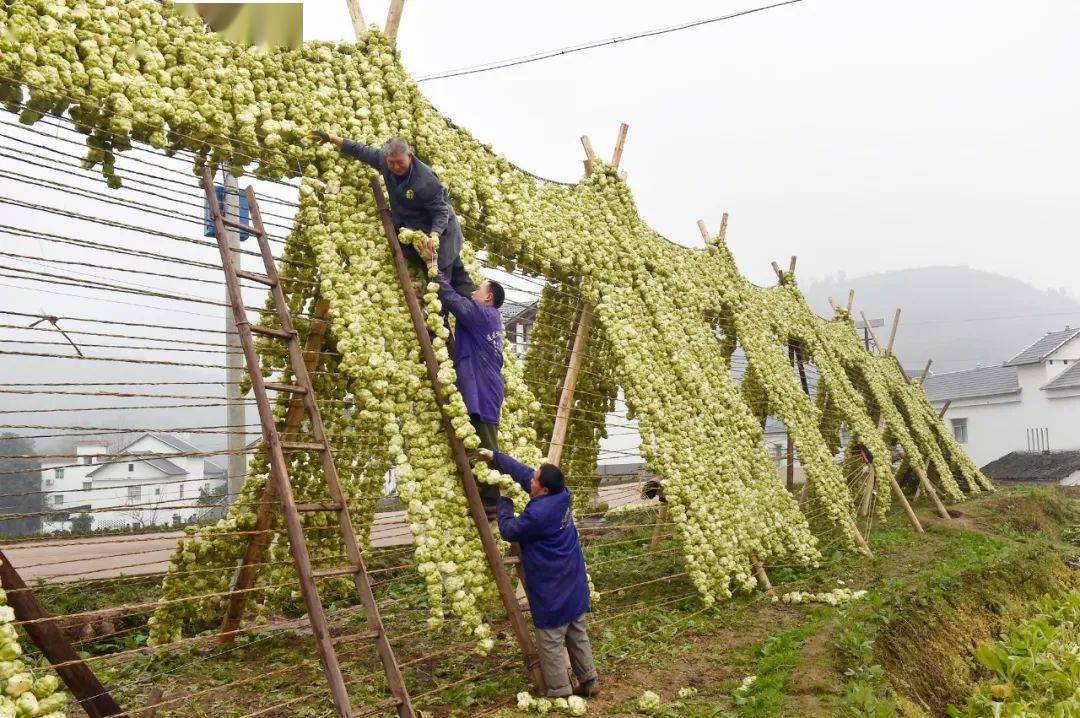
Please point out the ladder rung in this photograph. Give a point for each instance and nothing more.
(291, 388)
(239, 225)
(268, 332)
(255, 277)
(339, 571)
(318, 507)
(302, 446)
(375, 708)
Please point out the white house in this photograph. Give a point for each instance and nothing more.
(155, 480)
(1031, 403)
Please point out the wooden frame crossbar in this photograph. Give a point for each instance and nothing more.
(496, 561)
(276, 444)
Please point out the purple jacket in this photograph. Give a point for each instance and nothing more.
(478, 343)
(555, 579)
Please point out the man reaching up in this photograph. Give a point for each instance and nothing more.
(418, 200)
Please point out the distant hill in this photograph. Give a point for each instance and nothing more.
(957, 316)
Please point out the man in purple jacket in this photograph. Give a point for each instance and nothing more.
(478, 359)
(554, 565)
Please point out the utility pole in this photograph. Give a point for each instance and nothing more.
(234, 359)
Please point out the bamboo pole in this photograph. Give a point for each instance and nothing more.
(762, 577)
(588, 147)
(704, 231)
(620, 142)
(892, 334)
(723, 227)
(779, 272)
(944, 408)
(566, 396)
(393, 19)
(357, 18)
(868, 490)
(850, 300)
(791, 264)
(870, 329)
(902, 500)
(926, 371)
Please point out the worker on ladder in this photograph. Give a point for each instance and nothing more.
(556, 583)
(418, 200)
(478, 359)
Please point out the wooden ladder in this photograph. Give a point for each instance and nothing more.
(277, 446)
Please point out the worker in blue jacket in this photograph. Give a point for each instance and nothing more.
(555, 580)
(478, 360)
(418, 200)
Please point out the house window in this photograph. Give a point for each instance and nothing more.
(58, 499)
(134, 493)
(157, 491)
(87, 485)
(959, 430)
(59, 473)
(181, 491)
(131, 467)
(88, 459)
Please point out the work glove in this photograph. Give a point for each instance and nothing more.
(483, 455)
(319, 135)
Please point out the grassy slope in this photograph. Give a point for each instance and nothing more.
(904, 650)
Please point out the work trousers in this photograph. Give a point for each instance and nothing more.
(550, 643)
(489, 439)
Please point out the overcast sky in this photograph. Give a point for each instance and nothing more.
(860, 135)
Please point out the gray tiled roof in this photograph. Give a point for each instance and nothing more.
(984, 381)
(511, 309)
(209, 468)
(1043, 347)
(163, 465)
(1029, 466)
(1068, 379)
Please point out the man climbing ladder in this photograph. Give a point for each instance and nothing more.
(418, 200)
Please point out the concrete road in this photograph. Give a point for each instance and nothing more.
(88, 558)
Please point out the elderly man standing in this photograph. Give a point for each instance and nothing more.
(555, 580)
(418, 200)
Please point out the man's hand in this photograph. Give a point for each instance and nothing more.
(483, 455)
(429, 249)
(326, 137)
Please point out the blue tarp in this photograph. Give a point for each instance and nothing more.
(219, 190)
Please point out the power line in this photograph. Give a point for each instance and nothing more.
(572, 49)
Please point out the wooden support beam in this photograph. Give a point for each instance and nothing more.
(588, 147)
(268, 503)
(850, 300)
(924, 482)
(944, 408)
(789, 479)
(892, 334)
(926, 371)
(393, 19)
(791, 264)
(620, 142)
(723, 227)
(588, 167)
(762, 577)
(835, 307)
(868, 490)
(492, 553)
(866, 323)
(357, 18)
(566, 395)
(898, 493)
(779, 272)
(45, 634)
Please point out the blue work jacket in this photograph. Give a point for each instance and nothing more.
(555, 580)
(478, 359)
